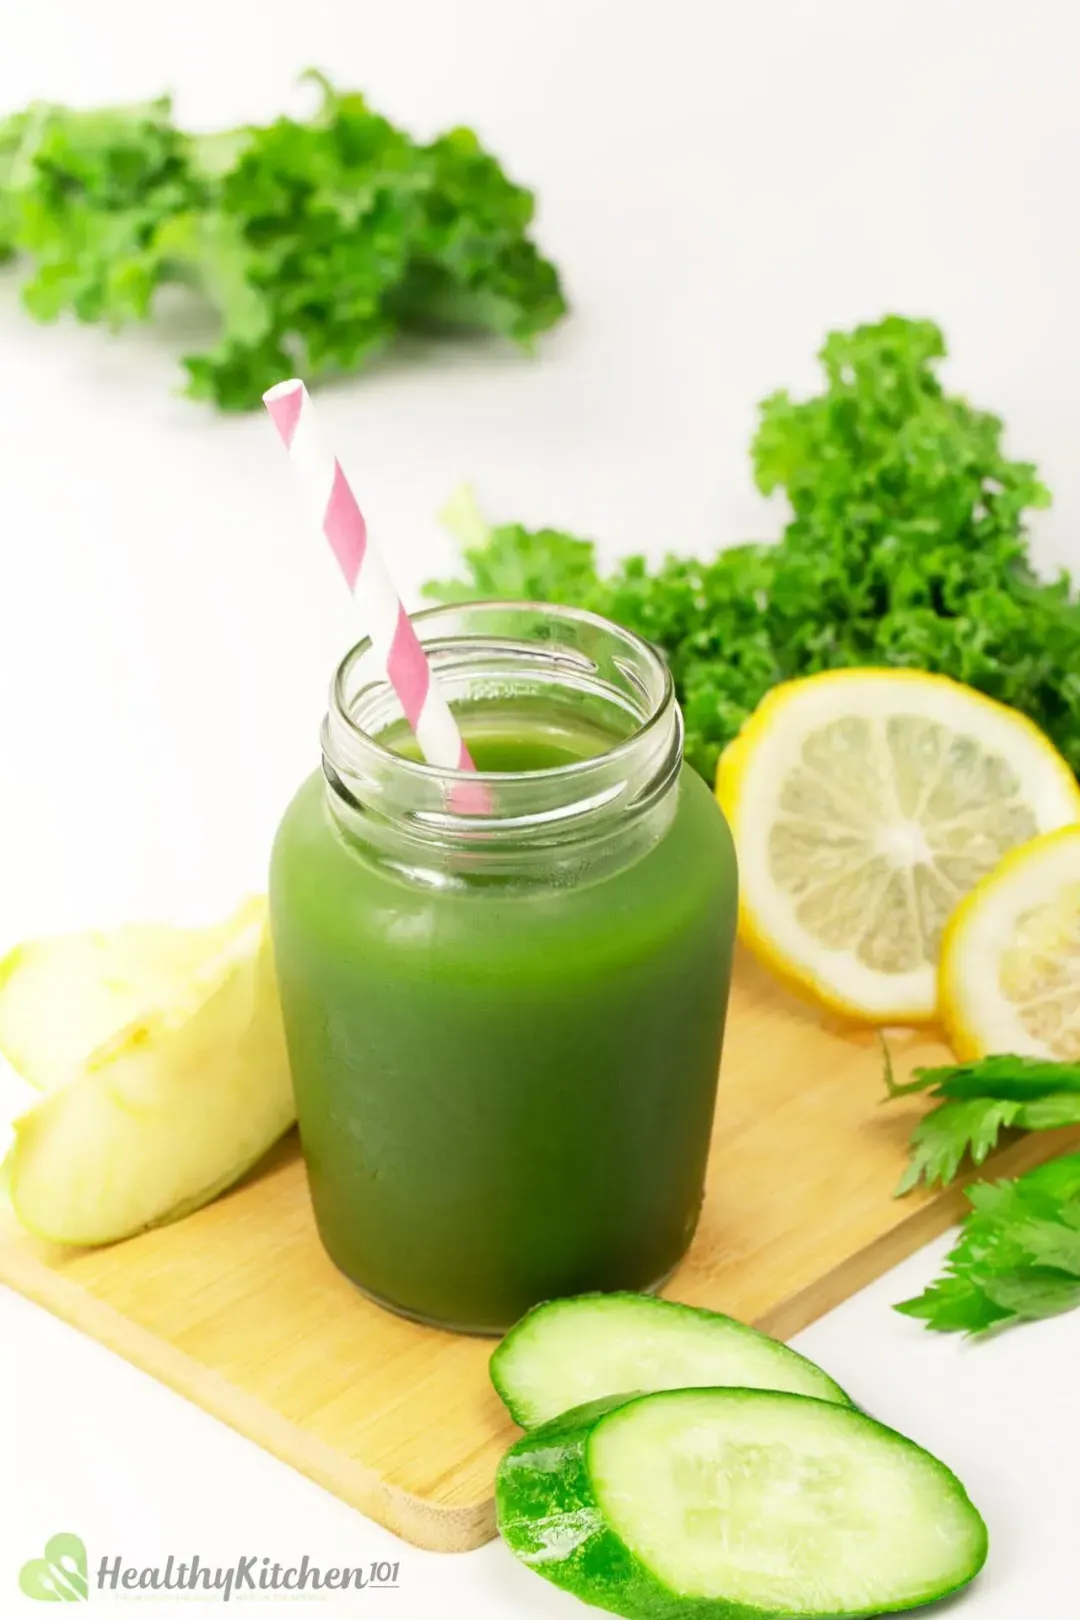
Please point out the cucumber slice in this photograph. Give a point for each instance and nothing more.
(735, 1504)
(575, 1350)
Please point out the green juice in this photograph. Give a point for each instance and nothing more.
(504, 1019)
(505, 1083)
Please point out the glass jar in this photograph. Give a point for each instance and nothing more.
(504, 1014)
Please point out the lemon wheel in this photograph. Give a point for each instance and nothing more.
(1010, 960)
(865, 805)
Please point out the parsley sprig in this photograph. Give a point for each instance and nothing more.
(1018, 1254)
(975, 1103)
(1017, 1257)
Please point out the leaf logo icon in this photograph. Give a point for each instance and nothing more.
(59, 1577)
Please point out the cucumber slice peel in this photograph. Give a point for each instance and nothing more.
(570, 1351)
(736, 1504)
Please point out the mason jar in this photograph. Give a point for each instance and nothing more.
(504, 994)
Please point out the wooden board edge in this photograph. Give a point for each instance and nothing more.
(929, 1218)
(423, 1524)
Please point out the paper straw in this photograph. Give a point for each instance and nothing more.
(395, 642)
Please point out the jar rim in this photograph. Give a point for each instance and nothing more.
(499, 651)
(422, 771)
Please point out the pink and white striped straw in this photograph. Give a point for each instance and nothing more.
(333, 506)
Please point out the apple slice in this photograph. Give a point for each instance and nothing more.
(168, 1111)
(63, 995)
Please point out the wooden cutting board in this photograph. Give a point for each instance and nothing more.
(238, 1308)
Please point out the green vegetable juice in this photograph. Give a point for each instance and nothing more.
(504, 1027)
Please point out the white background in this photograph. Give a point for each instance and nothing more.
(720, 183)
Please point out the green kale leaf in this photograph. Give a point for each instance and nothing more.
(315, 242)
(907, 547)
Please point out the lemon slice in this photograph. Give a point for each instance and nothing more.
(1010, 959)
(865, 804)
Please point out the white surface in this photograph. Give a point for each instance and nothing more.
(720, 183)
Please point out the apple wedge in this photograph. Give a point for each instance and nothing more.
(167, 1111)
(62, 996)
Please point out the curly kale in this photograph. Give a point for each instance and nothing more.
(316, 242)
(907, 546)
